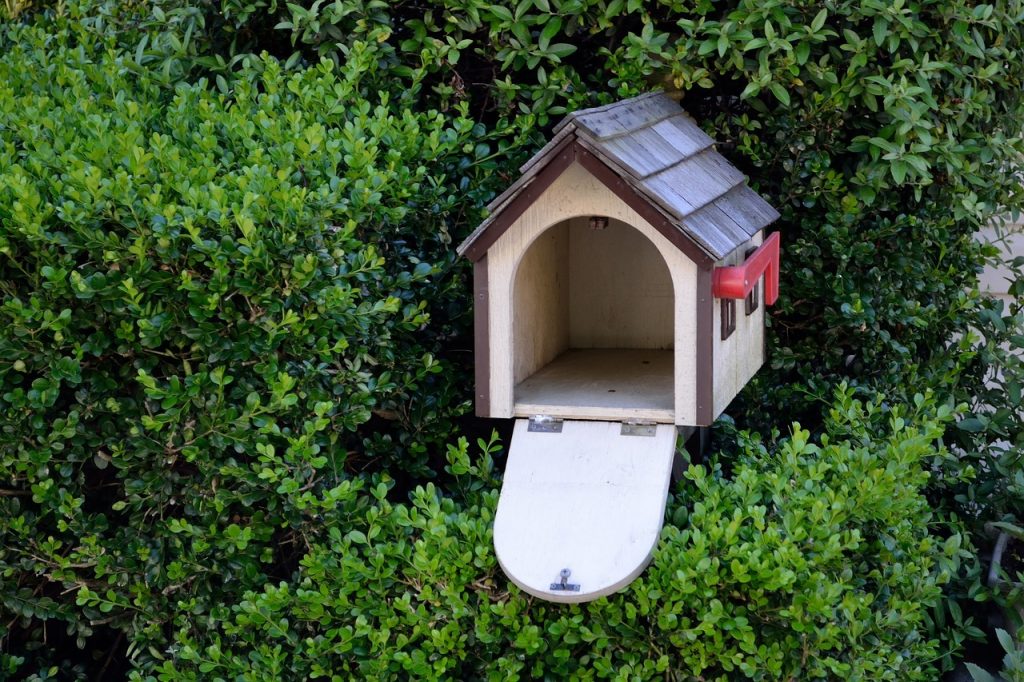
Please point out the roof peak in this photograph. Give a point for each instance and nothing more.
(601, 108)
(654, 147)
(623, 116)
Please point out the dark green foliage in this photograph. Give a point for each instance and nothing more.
(881, 131)
(204, 300)
(812, 561)
(1012, 663)
(235, 333)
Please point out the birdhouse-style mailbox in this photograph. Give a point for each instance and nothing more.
(620, 286)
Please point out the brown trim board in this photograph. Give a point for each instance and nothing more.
(515, 208)
(705, 348)
(481, 338)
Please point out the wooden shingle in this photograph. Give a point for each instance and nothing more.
(658, 151)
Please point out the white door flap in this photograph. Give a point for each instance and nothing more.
(580, 510)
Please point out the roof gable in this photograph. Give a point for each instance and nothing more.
(651, 153)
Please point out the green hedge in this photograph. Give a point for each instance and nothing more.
(204, 301)
(881, 131)
(234, 334)
(810, 562)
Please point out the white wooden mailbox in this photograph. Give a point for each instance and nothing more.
(620, 286)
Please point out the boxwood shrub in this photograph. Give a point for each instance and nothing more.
(883, 132)
(811, 561)
(234, 334)
(205, 298)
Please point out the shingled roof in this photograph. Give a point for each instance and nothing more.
(661, 154)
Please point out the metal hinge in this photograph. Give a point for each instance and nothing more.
(563, 585)
(638, 427)
(544, 424)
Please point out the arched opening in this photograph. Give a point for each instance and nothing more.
(593, 331)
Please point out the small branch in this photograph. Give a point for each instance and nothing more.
(110, 656)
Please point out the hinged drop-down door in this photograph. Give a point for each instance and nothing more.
(581, 507)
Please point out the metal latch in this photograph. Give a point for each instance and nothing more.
(564, 585)
(544, 424)
(638, 427)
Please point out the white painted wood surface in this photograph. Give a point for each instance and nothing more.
(577, 193)
(739, 357)
(587, 499)
(604, 384)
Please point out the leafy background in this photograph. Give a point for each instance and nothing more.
(234, 366)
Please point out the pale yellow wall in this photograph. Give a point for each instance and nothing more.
(621, 289)
(739, 357)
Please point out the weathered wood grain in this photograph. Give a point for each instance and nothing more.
(747, 209)
(716, 231)
(620, 117)
(683, 134)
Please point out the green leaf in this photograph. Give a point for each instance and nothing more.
(562, 50)
(885, 144)
(979, 674)
(880, 30)
(819, 20)
(1006, 641)
(551, 29)
(802, 52)
(899, 171)
(1011, 529)
(1013, 392)
(751, 90)
(501, 12)
(971, 425)
(780, 93)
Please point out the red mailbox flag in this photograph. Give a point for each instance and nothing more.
(736, 281)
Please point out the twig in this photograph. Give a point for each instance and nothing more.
(110, 656)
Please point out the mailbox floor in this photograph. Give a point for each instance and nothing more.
(604, 384)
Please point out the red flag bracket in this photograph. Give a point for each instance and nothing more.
(736, 281)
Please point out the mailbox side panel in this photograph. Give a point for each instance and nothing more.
(738, 357)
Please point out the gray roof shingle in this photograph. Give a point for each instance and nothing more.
(661, 153)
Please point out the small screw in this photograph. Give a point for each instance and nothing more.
(564, 585)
